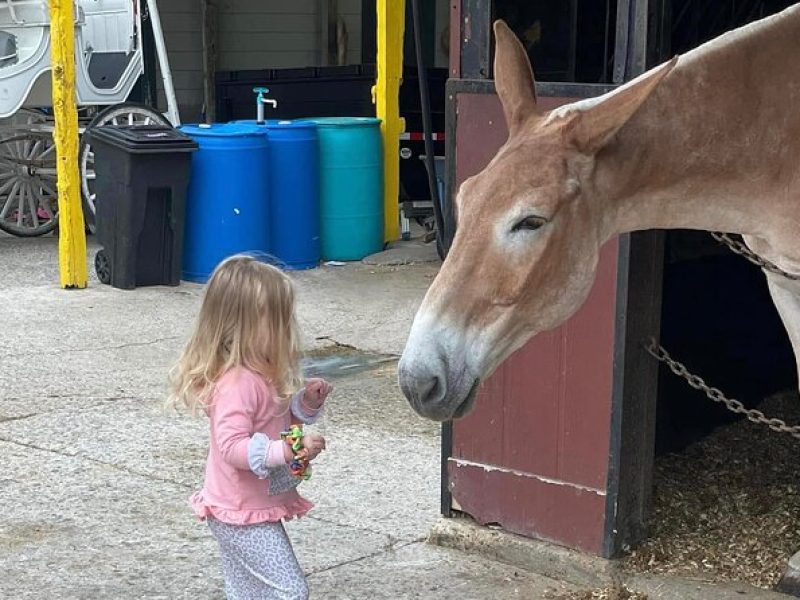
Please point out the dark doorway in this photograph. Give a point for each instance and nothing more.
(717, 315)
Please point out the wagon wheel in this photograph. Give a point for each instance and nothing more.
(23, 121)
(28, 197)
(28, 116)
(128, 113)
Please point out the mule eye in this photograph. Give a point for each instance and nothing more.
(531, 223)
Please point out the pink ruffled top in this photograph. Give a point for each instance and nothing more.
(245, 405)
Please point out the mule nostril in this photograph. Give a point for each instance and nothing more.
(423, 380)
(421, 385)
(430, 389)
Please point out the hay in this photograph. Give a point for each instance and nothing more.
(728, 507)
(616, 591)
(612, 593)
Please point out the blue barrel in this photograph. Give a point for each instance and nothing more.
(227, 203)
(294, 192)
(351, 187)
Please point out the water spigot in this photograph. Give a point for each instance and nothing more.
(261, 100)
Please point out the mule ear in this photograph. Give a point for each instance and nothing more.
(513, 77)
(590, 129)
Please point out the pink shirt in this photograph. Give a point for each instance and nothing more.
(243, 406)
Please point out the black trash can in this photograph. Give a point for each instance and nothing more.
(142, 173)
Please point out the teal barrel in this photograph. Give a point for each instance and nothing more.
(351, 187)
(227, 204)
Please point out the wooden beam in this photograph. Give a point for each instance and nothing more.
(386, 95)
(476, 39)
(333, 18)
(639, 290)
(209, 16)
(150, 58)
(633, 406)
(455, 39)
(630, 55)
(72, 232)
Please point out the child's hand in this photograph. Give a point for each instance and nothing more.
(317, 390)
(288, 453)
(314, 444)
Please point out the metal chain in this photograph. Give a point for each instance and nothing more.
(659, 353)
(756, 416)
(742, 250)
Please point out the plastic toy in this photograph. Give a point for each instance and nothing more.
(299, 466)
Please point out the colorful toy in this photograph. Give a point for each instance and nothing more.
(299, 466)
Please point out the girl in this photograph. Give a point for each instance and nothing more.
(240, 366)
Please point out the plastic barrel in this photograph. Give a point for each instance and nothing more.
(294, 192)
(351, 187)
(227, 204)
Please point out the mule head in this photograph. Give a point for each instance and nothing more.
(530, 226)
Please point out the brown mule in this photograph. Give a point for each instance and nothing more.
(710, 140)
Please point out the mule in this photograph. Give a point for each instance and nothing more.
(709, 140)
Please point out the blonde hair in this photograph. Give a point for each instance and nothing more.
(246, 320)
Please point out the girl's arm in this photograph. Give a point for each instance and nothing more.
(307, 404)
(264, 454)
(235, 404)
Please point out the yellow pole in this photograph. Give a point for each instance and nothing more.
(386, 97)
(72, 234)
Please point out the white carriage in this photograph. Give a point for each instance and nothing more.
(109, 61)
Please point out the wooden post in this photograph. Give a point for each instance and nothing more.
(333, 17)
(386, 96)
(475, 38)
(150, 58)
(72, 232)
(209, 9)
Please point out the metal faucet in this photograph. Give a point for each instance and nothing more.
(261, 100)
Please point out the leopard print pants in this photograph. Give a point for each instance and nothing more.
(258, 562)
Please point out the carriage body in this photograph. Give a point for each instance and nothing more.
(108, 53)
(109, 61)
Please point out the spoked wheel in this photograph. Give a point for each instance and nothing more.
(28, 196)
(102, 266)
(22, 120)
(128, 113)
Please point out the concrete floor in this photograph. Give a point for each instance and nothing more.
(94, 474)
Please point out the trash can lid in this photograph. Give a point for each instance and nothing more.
(142, 139)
